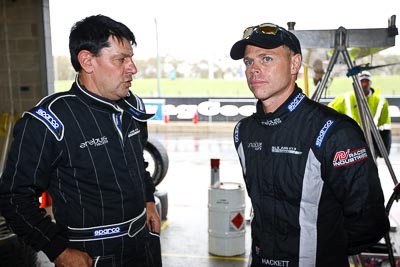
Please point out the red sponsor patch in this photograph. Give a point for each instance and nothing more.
(348, 157)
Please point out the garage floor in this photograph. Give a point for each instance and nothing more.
(185, 238)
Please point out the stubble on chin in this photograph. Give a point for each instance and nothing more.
(122, 92)
(258, 93)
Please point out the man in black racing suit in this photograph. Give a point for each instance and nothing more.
(311, 178)
(85, 148)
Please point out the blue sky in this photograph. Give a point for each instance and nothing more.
(206, 29)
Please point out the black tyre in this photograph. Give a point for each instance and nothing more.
(156, 155)
(163, 196)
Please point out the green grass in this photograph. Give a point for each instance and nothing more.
(389, 85)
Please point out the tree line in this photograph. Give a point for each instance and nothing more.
(223, 68)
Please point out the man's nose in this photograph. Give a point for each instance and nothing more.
(132, 67)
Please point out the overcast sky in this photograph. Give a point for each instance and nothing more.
(192, 30)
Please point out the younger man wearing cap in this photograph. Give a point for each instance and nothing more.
(315, 193)
(378, 106)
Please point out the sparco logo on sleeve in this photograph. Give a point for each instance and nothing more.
(236, 133)
(344, 158)
(47, 116)
(322, 133)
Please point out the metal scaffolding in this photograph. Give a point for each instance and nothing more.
(340, 40)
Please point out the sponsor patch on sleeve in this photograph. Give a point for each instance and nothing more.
(236, 137)
(50, 120)
(349, 157)
(322, 133)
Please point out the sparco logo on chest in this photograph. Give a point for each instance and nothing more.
(296, 101)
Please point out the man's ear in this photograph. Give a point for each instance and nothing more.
(296, 63)
(85, 58)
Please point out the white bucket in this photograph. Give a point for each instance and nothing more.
(226, 220)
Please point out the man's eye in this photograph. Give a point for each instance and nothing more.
(267, 59)
(248, 62)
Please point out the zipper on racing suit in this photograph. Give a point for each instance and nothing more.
(117, 117)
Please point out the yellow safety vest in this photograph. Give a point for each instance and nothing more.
(378, 106)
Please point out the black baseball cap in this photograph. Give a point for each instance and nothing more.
(266, 35)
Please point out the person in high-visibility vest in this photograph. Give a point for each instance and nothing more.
(378, 106)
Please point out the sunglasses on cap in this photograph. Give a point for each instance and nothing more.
(271, 29)
(265, 28)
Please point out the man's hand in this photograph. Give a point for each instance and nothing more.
(73, 258)
(153, 219)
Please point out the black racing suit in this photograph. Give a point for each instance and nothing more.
(87, 152)
(313, 185)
